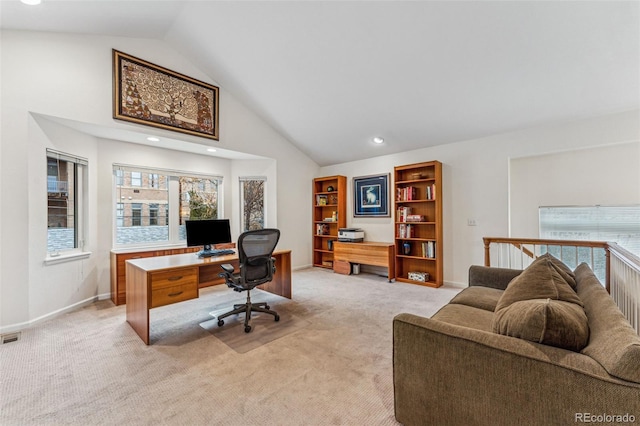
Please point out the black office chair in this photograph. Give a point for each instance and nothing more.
(257, 266)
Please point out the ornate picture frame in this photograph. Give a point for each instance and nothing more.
(149, 94)
(371, 196)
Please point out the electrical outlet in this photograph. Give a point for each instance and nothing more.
(472, 222)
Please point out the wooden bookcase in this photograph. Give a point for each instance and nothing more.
(329, 214)
(418, 239)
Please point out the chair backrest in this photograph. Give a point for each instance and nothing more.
(255, 249)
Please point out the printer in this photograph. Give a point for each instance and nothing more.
(350, 235)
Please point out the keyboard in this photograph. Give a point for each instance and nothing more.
(215, 252)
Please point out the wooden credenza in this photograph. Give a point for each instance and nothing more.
(367, 253)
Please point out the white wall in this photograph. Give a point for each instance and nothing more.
(70, 77)
(607, 175)
(476, 180)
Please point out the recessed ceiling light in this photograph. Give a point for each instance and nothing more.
(31, 2)
(378, 140)
(153, 139)
(211, 149)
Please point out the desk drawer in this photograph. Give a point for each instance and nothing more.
(174, 277)
(168, 295)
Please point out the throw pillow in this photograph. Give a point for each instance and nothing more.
(562, 269)
(541, 280)
(550, 322)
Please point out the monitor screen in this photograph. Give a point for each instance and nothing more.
(207, 232)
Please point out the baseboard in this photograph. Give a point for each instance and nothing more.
(21, 326)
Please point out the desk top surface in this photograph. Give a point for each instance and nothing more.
(366, 243)
(183, 260)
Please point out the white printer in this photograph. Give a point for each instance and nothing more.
(350, 235)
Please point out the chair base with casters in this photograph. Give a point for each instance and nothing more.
(247, 308)
(257, 266)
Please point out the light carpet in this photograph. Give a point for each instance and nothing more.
(89, 367)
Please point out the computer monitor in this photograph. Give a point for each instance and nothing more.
(207, 232)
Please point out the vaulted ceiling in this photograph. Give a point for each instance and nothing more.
(331, 75)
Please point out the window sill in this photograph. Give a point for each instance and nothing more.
(53, 260)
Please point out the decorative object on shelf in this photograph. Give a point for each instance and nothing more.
(330, 188)
(321, 200)
(406, 249)
(419, 276)
(146, 93)
(371, 196)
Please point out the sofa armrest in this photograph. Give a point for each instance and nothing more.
(451, 375)
(491, 277)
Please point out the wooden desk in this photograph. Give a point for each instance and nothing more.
(164, 280)
(367, 253)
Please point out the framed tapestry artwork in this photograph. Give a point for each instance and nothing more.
(371, 196)
(145, 93)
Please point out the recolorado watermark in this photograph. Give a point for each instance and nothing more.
(604, 418)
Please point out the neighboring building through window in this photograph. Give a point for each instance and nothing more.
(66, 201)
(252, 203)
(143, 208)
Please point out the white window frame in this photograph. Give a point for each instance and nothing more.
(264, 206)
(80, 209)
(172, 206)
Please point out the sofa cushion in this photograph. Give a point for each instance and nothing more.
(479, 297)
(550, 322)
(566, 272)
(466, 316)
(541, 280)
(612, 342)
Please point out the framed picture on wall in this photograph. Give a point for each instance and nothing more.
(148, 94)
(371, 196)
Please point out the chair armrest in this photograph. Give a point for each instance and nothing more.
(228, 268)
(491, 277)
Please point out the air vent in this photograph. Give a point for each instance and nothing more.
(11, 337)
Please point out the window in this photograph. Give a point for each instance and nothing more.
(66, 202)
(119, 177)
(136, 179)
(146, 200)
(136, 214)
(154, 180)
(619, 224)
(153, 214)
(252, 203)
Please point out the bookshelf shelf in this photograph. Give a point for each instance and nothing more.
(326, 204)
(418, 193)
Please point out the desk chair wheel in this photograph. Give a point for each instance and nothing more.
(276, 318)
(220, 323)
(247, 328)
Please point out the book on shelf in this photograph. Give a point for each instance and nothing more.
(406, 231)
(429, 249)
(415, 218)
(431, 191)
(407, 193)
(402, 213)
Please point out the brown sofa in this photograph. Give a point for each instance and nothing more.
(478, 360)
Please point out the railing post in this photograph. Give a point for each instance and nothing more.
(487, 255)
(607, 276)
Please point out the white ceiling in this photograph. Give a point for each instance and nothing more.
(331, 75)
